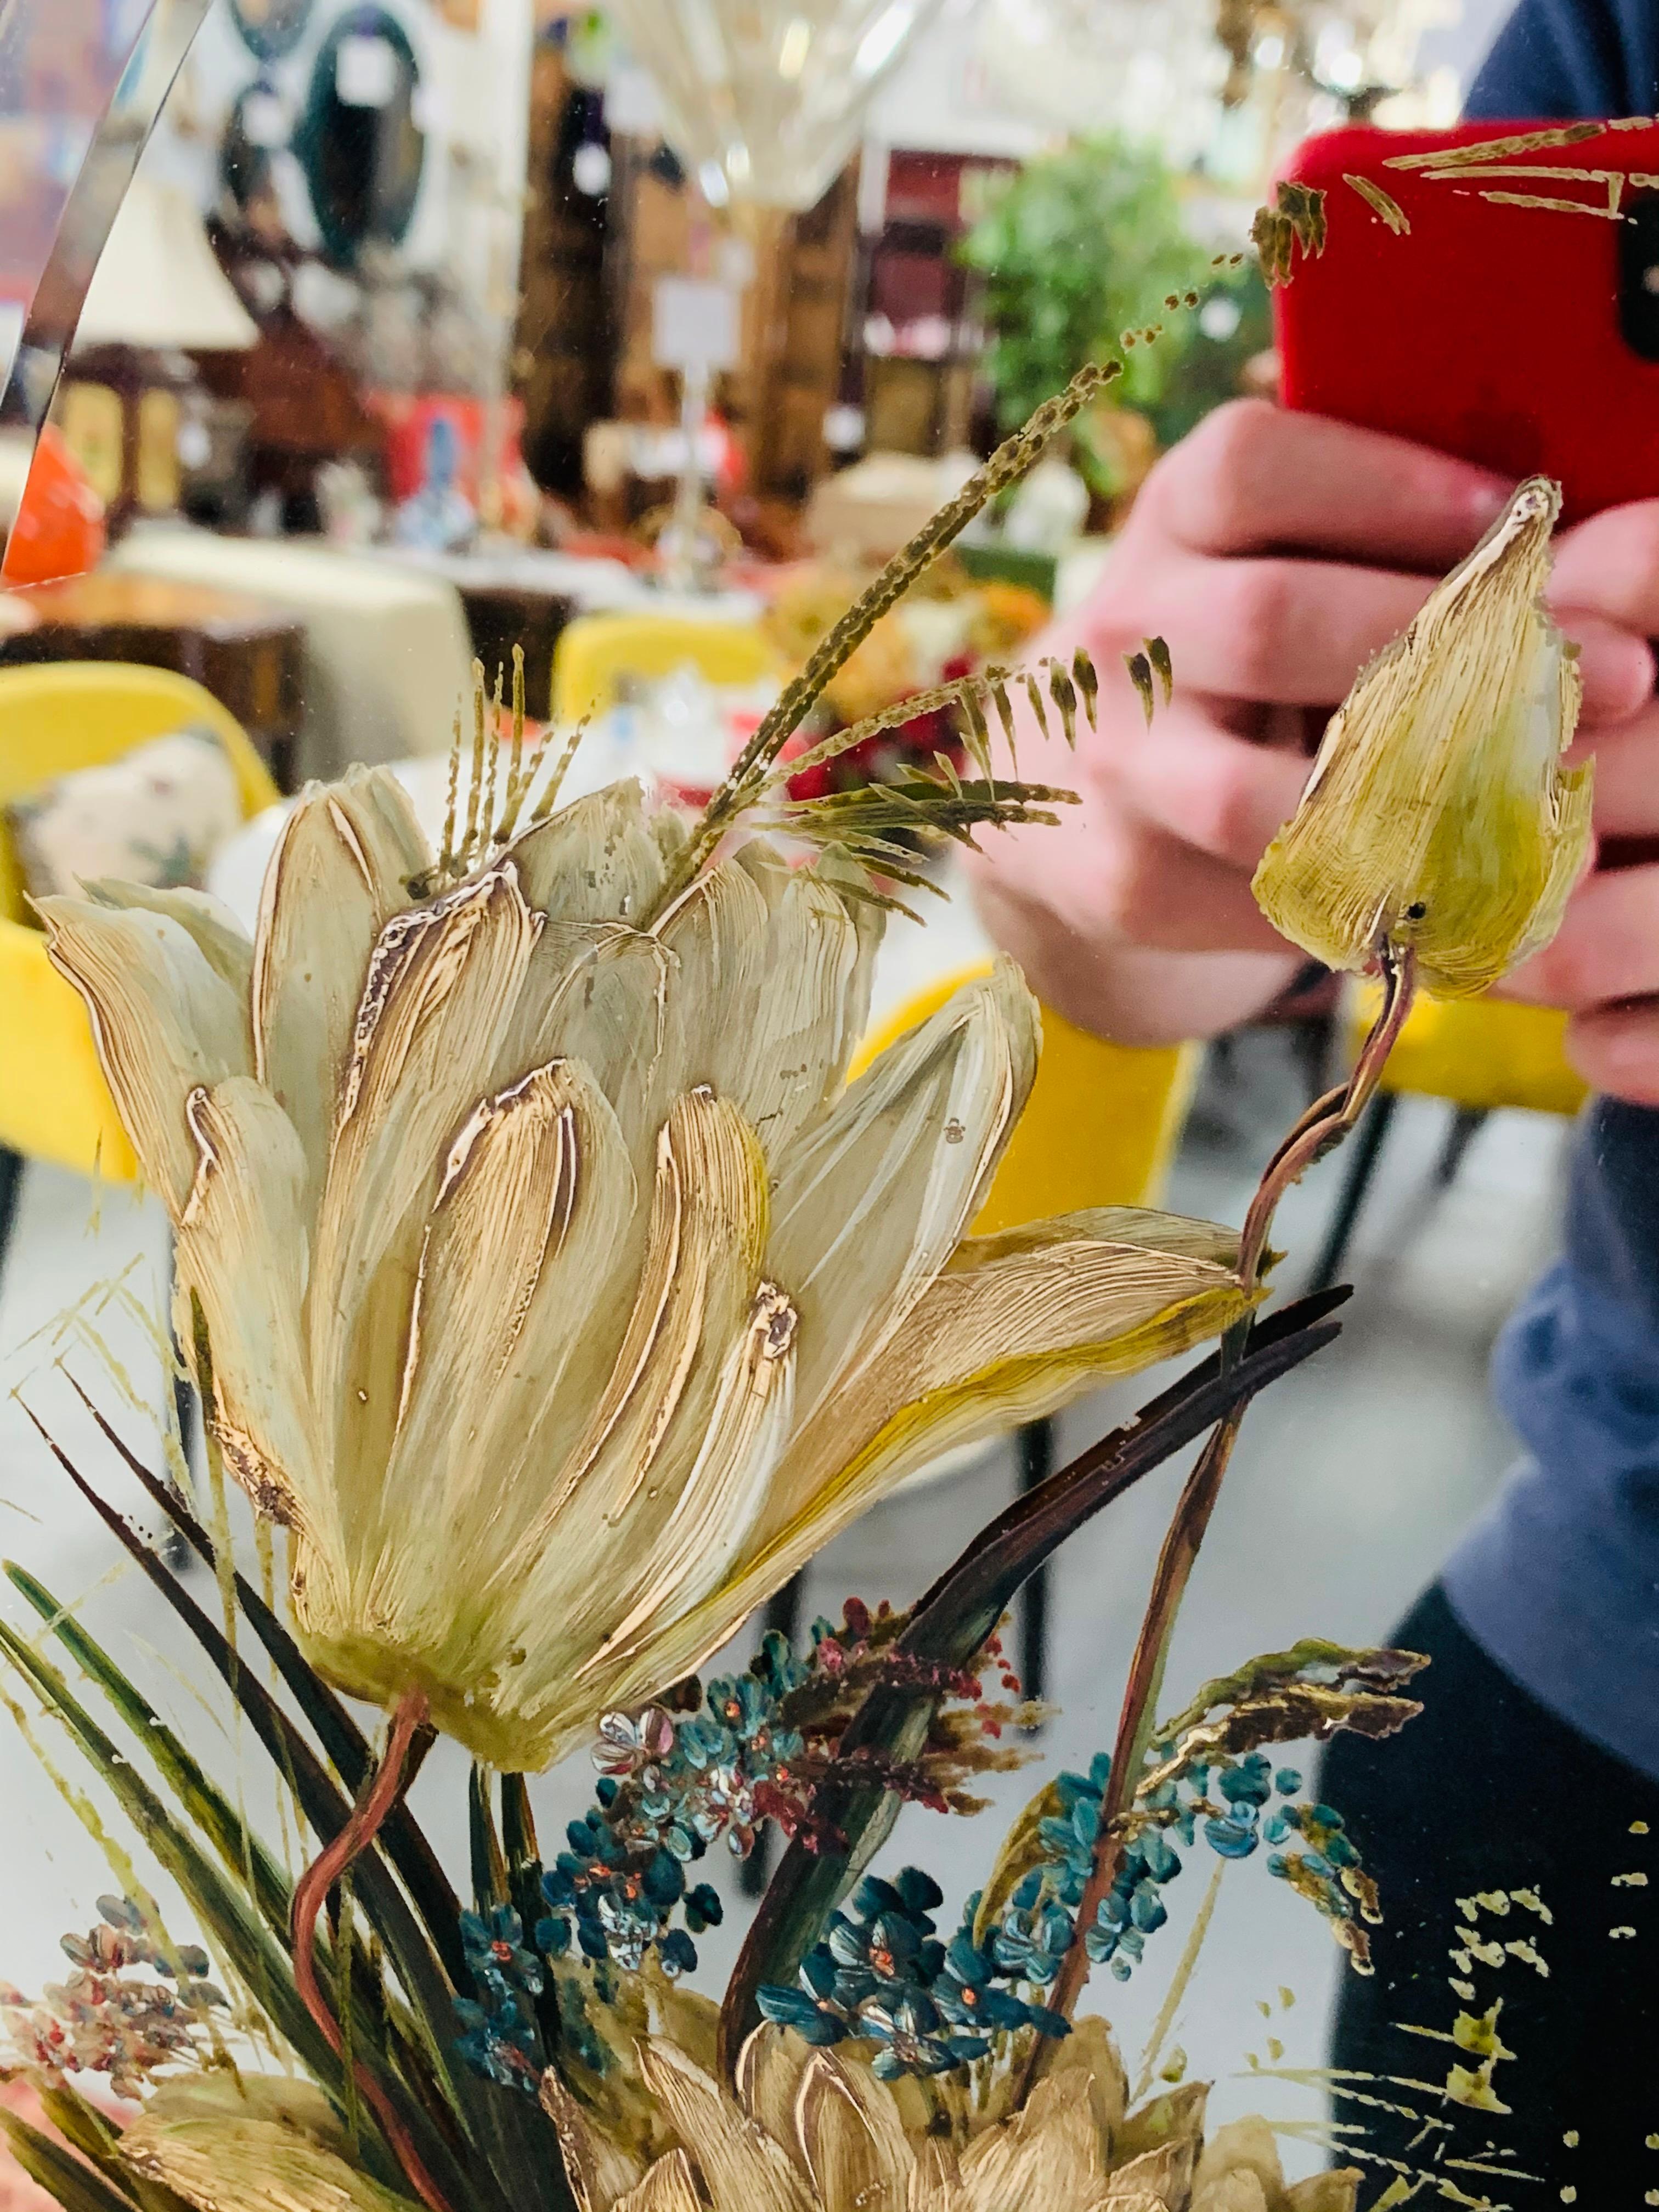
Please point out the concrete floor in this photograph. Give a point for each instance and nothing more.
(1350, 1481)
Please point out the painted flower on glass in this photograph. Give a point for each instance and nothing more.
(562, 1296)
(1439, 815)
(247, 2142)
(815, 2130)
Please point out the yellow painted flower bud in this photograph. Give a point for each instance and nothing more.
(1439, 815)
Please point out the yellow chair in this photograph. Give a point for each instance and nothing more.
(1100, 1125)
(595, 652)
(1100, 1128)
(1478, 1054)
(54, 1102)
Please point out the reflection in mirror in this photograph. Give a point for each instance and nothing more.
(81, 86)
(358, 141)
(270, 29)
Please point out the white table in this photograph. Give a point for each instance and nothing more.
(388, 656)
(913, 956)
(594, 586)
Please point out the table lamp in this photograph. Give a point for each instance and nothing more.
(157, 295)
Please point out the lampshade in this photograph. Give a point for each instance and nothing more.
(157, 283)
(767, 97)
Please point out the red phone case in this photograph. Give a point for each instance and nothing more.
(1489, 330)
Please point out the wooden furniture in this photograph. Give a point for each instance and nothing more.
(919, 391)
(796, 319)
(794, 312)
(303, 405)
(499, 616)
(245, 652)
(564, 342)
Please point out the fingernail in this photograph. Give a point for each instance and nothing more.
(1618, 674)
(1487, 500)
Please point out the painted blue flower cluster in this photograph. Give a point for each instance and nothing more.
(498, 2038)
(1226, 1801)
(613, 1900)
(1233, 1797)
(882, 1973)
(1328, 1871)
(1035, 1931)
(672, 1785)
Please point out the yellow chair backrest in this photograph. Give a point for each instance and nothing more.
(54, 1102)
(1480, 1053)
(595, 652)
(1100, 1127)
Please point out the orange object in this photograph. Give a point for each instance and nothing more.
(60, 529)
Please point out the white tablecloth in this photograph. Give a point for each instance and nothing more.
(595, 586)
(912, 958)
(387, 657)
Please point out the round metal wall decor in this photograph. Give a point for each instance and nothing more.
(358, 141)
(270, 29)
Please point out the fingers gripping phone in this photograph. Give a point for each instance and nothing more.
(1488, 295)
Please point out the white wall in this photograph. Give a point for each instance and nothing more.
(476, 93)
(943, 98)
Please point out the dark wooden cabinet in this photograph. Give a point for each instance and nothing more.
(248, 653)
(564, 344)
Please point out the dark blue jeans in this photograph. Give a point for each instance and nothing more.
(1487, 1791)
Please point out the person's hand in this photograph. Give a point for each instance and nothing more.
(1275, 553)
(1603, 966)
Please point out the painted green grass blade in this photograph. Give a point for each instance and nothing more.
(320, 1800)
(224, 1916)
(951, 1624)
(524, 1887)
(245, 1857)
(77, 2187)
(516, 2127)
(478, 2103)
(344, 1742)
(86, 2129)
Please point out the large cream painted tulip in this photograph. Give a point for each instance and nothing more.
(563, 1296)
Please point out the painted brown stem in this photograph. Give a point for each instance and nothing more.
(1330, 1120)
(1012, 460)
(1186, 1533)
(1324, 1123)
(386, 1787)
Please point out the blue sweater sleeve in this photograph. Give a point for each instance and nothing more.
(1560, 1581)
(1572, 59)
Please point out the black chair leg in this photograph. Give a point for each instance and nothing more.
(1362, 1165)
(1465, 1127)
(1314, 1041)
(11, 1185)
(1036, 1445)
(783, 1611)
(175, 1547)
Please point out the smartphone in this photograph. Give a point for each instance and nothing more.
(1490, 295)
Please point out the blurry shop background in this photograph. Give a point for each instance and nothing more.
(638, 337)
